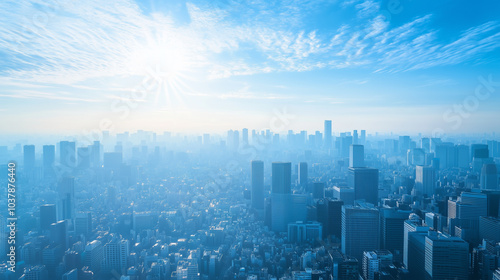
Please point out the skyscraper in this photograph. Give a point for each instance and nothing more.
(360, 230)
(357, 156)
(425, 180)
(49, 157)
(303, 174)
(281, 196)
(365, 183)
(328, 133)
(29, 160)
(95, 154)
(362, 139)
(281, 177)
(66, 198)
(446, 257)
(414, 246)
(258, 184)
(392, 230)
(355, 140)
(244, 136)
(47, 216)
(489, 177)
(67, 154)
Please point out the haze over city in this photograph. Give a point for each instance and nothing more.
(250, 140)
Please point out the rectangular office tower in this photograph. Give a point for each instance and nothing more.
(360, 230)
(446, 257)
(49, 157)
(425, 180)
(67, 154)
(281, 177)
(328, 134)
(281, 199)
(29, 160)
(365, 183)
(357, 156)
(258, 184)
(303, 174)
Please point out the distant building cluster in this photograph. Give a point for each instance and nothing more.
(255, 205)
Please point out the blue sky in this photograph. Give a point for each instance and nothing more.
(205, 66)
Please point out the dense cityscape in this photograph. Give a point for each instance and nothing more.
(251, 204)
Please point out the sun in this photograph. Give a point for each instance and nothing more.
(167, 63)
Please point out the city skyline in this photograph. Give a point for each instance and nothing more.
(193, 66)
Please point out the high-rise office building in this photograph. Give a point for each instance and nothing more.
(303, 174)
(357, 156)
(364, 181)
(66, 199)
(463, 156)
(48, 216)
(328, 134)
(95, 154)
(59, 233)
(83, 223)
(489, 228)
(49, 157)
(489, 177)
(362, 139)
(67, 154)
(244, 136)
(446, 257)
(425, 180)
(360, 230)
(281, 196)
(355, 137)
(116, 253)
(318, 190)
(281, 177)
(374, 262)
(29, 160)
(258, 184)
(414, 246)
(83, 154)
(392, 230)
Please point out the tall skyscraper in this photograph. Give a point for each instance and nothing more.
(360, 230)
(425, 180)
(49, 157)
(84, 155)
(328, 134)
(318, 190)
(357, 156)
(95, 154)
(303, 174)
(489, 177)
(66, 198)
(414, 246)
(48, 216)
(67, 154)
(362, 139)
(355, 137)
(258, 184)
(29, 160)
(244, 136)
(281, 196)
(392, 230)
(281, 177)
(365, 183)
(446, 257)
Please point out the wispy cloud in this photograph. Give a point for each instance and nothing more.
(67, 43)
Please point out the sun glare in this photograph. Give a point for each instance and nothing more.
(167, 64)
